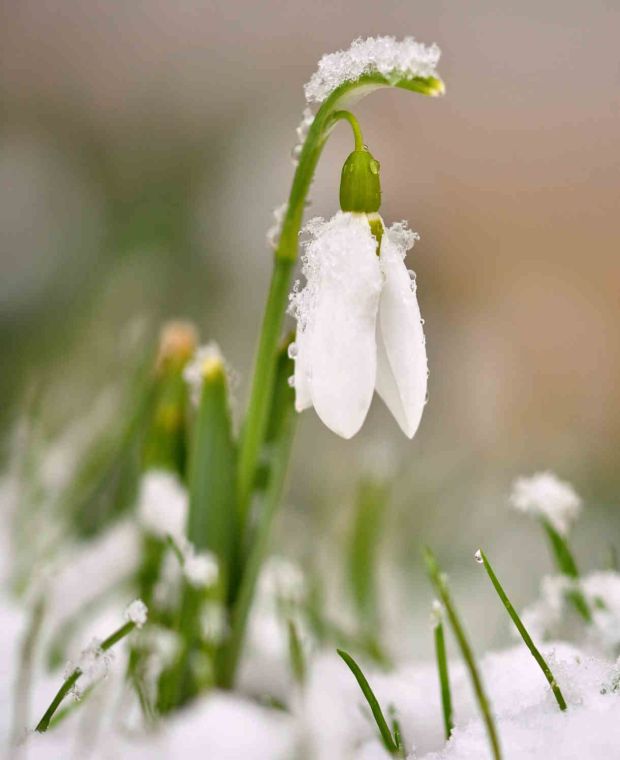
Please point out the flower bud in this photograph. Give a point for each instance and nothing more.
(360, 188)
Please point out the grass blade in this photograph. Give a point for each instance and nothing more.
(482, 558)
(444, 679)
(438, 580)
(386, 735)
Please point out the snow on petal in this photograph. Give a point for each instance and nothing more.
(336, 314)
(402, 370)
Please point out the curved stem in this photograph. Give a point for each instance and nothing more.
(285, 258)
(355, 126)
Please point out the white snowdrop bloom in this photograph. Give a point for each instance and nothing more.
(383, 55)
(162, 504)
(201, 569)
(137, 613)
(545, 495)
(359, 326)
(281, 580)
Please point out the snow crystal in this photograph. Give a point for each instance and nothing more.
(545, 495)
(162, 504)
(137, 613)
(274, 232)
(93, 664)
(201, 569)
(206, 359)
(384, 55)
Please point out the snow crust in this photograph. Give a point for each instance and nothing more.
(384, 55)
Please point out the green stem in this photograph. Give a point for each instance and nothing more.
(285, 258)
(444, 680)
(542, 664)
(355, 126)
(439, 581)
(71, 680)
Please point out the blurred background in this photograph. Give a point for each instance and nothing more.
(143, 147)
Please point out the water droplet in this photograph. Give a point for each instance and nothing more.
(291, 381)
(375, 166)
(292, 350)
(296, 152)
(478, 557)
(411, 274)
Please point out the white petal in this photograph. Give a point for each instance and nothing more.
(303, 399)
(337, 354)
(402, 373)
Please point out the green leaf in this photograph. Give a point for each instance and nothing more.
(212, 522)
(370, 505)
(296, 653)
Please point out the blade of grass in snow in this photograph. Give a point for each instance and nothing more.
(296, 653)
(71, 680)
(212, 520)
(438, 580)
(442, 669)
(481, 557)
(567, 565)
(386, 735)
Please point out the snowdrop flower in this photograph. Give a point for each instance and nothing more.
(545, 495)
(358, 321)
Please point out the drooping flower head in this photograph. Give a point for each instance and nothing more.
(358, 325)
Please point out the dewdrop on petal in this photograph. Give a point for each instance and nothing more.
(545, 495)
(137, 613)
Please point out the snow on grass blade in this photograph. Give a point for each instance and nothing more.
(136, 618)
(389, 742)
(481, 557)
(442, 668)
(438, 580)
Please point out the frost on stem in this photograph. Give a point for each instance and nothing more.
(383, 55)
(274, 232)
(162, 504)
(93, 665)
(137, 613)
(545, 495)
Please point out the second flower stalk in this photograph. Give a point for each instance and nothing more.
(359, 327)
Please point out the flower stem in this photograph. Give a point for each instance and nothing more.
(438, 579)
(444, 680)
(71, 680)
(542, 664)
(355, 126)
(285, 258)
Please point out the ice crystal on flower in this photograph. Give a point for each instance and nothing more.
(545, 495)
(137, 613)
(383, 55)
(302, 132)
(162, 504)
